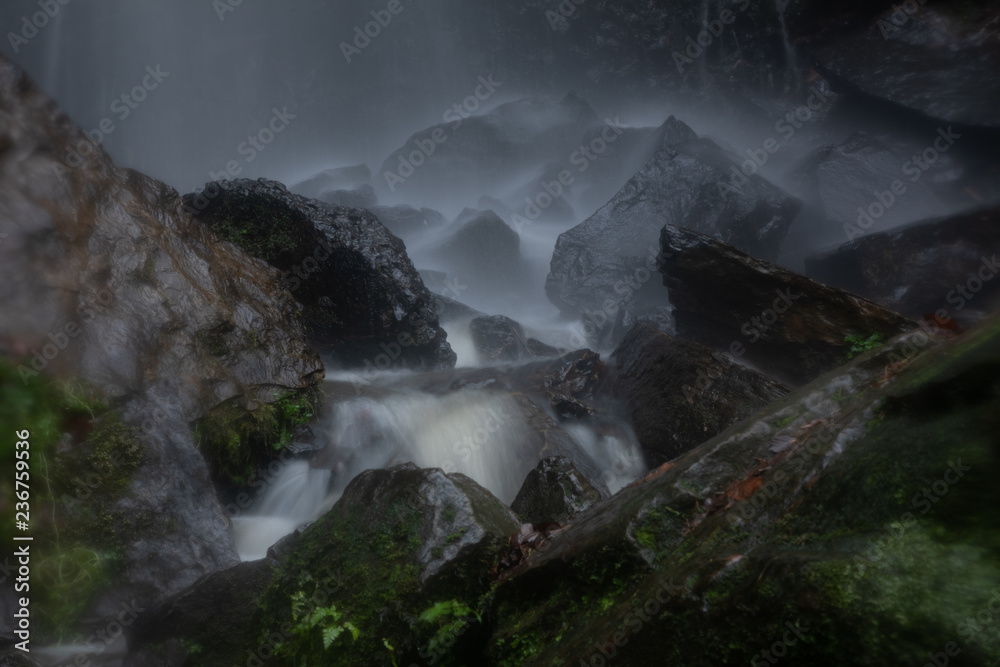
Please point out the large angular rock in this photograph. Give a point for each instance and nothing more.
(680, 393)
(945, 268)
(397, 542)
(111, 282)
(602, 265)
(554, 491)
(498, 339)
(363, 299)
(485, 249)
(785, 324)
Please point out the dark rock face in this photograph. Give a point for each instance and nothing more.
(405, 221)
(498, 339)
(789, 326)
(396, 542)
(922, 269)
(680, 393)
(602, 265)
(449, 309)
(362, 299)
(151, 310)
(215, 613)
(554, 491)
(923, 63)
(846, 184)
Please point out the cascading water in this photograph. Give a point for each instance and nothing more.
(791, 59)
(481, 433)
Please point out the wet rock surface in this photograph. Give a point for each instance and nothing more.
(362, 298)
(788, 326)
(943, 267)
(680, 393)
(554, 491)
(607, 258)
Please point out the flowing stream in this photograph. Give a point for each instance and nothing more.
(484, 434)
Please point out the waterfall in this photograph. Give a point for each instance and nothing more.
(482, 434)
(791, 59)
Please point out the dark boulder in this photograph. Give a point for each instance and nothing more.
(396, 543)
(787, 325)
(945, 268)
(554, 491)
(679, 393)
(484, 257)
(362, 299)
(498, 339)
(603, 265)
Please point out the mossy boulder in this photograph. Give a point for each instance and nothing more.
(851, 522)
(404, 558)
(363, 303)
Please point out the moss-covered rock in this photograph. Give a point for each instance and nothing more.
(403, 558)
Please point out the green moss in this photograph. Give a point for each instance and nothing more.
(369, 572)
(263, 228)
(237, 441)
